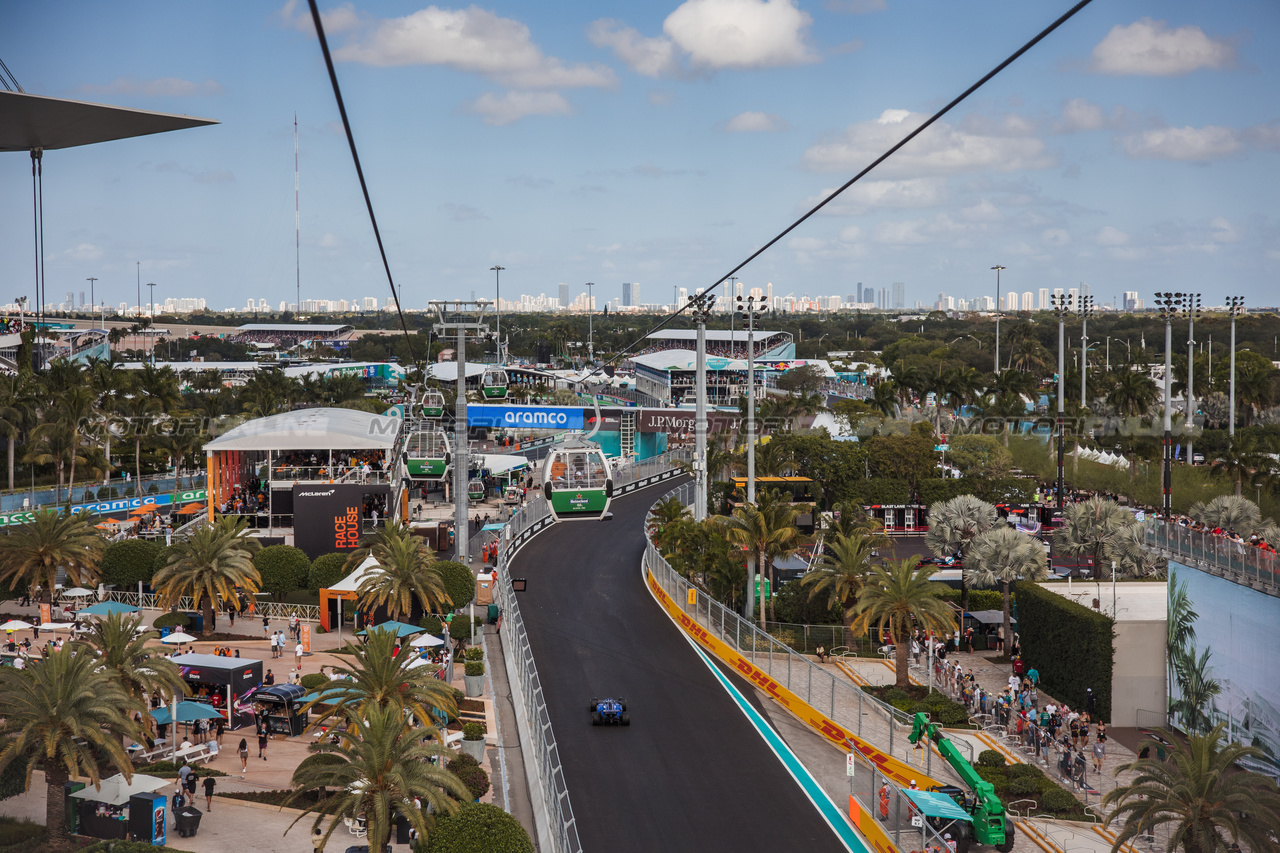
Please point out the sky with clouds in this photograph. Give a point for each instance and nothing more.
(1137, 148)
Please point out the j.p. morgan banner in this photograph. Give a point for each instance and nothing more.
(680, 421)
(525, 417)
(22, 516)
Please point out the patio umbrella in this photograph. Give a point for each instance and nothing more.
(426, 640)
(143, 510)
(77, 592)
(188, 712)
(16, 625)
(56, 626)
(402, 629)
(178, 637)
(105, 608)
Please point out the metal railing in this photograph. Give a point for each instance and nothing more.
(550, 794)
(1227, 558)
(844, 703)
(269, 609)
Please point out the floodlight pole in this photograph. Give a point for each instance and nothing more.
(1061, 306)
(1193, 308)
(751, 312)
(1086, 311)
(701, 312)
(461, 317)
(1235, 304)
(1170, 304)
(997, 268)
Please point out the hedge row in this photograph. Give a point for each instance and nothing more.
(1068, 644)
(886, 491)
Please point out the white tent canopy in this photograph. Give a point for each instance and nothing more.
(501, 463)
(116, 792)
(352, 582)
(312, 429)
(447, 371)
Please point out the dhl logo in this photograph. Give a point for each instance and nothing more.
(699, 633)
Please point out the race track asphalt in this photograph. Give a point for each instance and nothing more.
(690, 773)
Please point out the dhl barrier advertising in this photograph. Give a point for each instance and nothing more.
(898, 771)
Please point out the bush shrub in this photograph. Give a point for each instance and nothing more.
(473, 731)
(313, 680)
(326, 571)
(163, 553)
(169, 770)
(953, 715)
(474, 667)
(173, 619)
(895, 696)
(14, 832)
(1058, 800)
(1024, 771)
(477, 828)
(431, 624)
(474, 777)
(459, 583)
(1022, 787)
(979, 599)
(129, 561)
(1050, 624)
(13, 779)
(461, 760)
(460, 627)
(991, 758)
(473, 653)
(284, 568)
(995, 775)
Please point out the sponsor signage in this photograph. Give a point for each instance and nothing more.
(682, 420)
(327, 519)
(108, 507)
(525, 417)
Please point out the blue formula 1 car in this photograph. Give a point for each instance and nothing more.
(609, 712)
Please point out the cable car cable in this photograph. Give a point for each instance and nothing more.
(364, 187)
(835, 193)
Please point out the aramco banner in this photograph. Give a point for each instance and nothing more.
(525, 417)
(109, 507)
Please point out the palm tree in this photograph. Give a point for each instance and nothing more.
(16, 412)
(1089, 526)
(1128, 549)
(34, 551)
(1199, 792)
(765, 529)
(1242, 458)
(898, 597)
(210, 565)
(376, 771)
(842, 571)
(54, 442)
(1003, 555)
(1132, 396)
(772, 459)
(1229, 512)
(408, 573)
(377, 677)
(884, 398)
(953, 525)
(667, 511)
(122, 650)
(1196, 688)
(69, 714)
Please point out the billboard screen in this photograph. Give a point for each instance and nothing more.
(1220, 670)
(328, 518)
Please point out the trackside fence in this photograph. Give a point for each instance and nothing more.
(829, 692)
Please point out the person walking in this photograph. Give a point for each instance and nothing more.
(208, 793)
(219, 728)
(266, 627)
(297, 656)
(244, 755)
(262, 741)
(317, 839)
(192, 786)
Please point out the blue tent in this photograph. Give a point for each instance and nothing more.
(402, 629)
(188, 712)
(106, 608)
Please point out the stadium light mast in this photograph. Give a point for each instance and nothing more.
(751, 311)
(497, 306)
(701, 313)
(1061, 308)
(1193, 311)
(1086, 311)
(1170, 305)
(997, 268)
(1235, 306)
(463, 319)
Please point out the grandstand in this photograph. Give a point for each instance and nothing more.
(336, 335)
(725, 344)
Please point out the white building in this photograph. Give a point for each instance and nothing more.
(1028, 303)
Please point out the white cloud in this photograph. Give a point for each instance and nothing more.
(905, 233)
(329, 241)
(741, 34)
(1078, 114)
(1195, 144)
(1222, 231)
(1055, 236)
(755, 122)
(296, 14)
(982, 212)
(850, 233)
(472, 40)
(1149, 47)
(163, 87)
(652, 57)
(941, 150)
(806, 244)
(463, 212)
(513, 106)
(660, 98)
(712, 35)
(85, 252)
(1111, 236)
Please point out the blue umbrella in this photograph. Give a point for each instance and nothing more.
(188, 712)
(402, 629)
(106, 608)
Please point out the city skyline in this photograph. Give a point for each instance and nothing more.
(625, 142)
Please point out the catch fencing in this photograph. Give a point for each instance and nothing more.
(1227, 558)
(268, 609)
